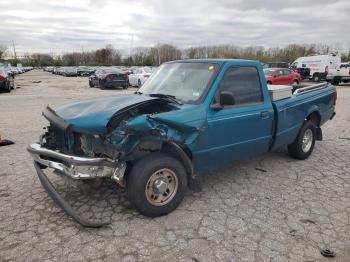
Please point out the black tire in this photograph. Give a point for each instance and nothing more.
(91, 84)
(269, 82)
(316, 77)
(295, 83)
(139, 177)
(295, 149)
(139, 84)
(335, 81)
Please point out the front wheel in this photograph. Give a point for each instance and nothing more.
(304, 144)
(156, 184)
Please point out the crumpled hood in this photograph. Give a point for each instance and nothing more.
(93, 115)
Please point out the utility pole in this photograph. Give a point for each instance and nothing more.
(14, 49)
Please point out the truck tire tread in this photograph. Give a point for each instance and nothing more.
(295, 149)
(137, 179)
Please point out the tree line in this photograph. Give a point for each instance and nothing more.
(156, 55)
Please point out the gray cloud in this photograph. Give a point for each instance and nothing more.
(63, 26)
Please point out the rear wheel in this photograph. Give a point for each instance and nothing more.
(295, 83)
(269, 82)
(335, 81)
(304, 144)
(139, 84)
(156, 184)
(91, 84)
(316, 77)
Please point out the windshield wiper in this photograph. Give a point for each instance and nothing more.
(169, 97)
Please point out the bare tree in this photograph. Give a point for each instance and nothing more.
(3, 49)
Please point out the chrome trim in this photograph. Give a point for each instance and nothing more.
(37, 149)
(72, 166)
(311, 88)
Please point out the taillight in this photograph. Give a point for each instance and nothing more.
(109, 77)
(2, 78)
(146, 76)
(335, 98)
(349, 72)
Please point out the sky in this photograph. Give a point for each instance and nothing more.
(60, 26)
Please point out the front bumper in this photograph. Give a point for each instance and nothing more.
(76, 168)
(72, 166)
(68, 209)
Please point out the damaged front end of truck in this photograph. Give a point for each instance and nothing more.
(101, 138)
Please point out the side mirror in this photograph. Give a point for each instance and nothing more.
(226, 99)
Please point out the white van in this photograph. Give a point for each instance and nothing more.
(316, 67)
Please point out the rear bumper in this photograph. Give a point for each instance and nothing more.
(72, 166)
(114, 84)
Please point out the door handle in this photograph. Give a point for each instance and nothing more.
(264, 114)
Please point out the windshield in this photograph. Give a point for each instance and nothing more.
(268, 72)
(185, 81)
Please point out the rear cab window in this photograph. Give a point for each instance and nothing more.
(244, 84)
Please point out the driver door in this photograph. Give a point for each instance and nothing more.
(244, 128)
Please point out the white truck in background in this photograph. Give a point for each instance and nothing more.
(341, 74)
(316, 67)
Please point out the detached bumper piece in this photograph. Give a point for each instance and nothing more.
(71, 166)
(56, 197)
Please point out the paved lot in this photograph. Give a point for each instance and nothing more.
(243, 213)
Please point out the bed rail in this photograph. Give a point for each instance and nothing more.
(311, 88)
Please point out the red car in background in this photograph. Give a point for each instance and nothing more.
(282, 76)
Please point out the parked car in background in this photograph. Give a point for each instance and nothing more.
(109, 78)
(85, 71)
(6, 80)
(140, 75)
(282, 76)
(70, 71)
(49, 69)
(276, 65)
(339, 75)
(316, 67)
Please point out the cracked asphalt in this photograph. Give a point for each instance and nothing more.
(268, 208)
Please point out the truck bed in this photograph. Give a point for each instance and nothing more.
(290, 113)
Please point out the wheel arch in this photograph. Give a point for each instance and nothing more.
(183, 154)
(314, 117)
(146, 147)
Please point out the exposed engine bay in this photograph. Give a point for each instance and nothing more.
(103, 145)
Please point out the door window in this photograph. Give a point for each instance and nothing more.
(243, 83)
(286, 72)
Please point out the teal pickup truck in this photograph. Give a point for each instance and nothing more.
(189, 117)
